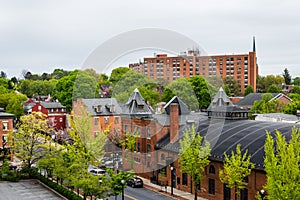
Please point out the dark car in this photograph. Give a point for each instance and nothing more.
(135, 182)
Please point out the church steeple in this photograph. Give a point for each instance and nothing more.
(254, 48)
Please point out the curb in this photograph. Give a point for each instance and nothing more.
(48, 188)
(175, 197)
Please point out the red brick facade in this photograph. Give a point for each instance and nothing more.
(242, 67)
(56, 116)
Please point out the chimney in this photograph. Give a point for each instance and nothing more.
(174, 122)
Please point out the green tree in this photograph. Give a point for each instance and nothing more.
(296, 81)
(183, 89)
(15, 105)
(237, 166)
(282, 160)
(116, 184)
(128, 82)
(248, 90)
(117, 74)
(203, 90)
(292, 107)
(264, 82)
(267, 105)
(129, 144)
(29, 139)
(287, 77)
(77, 84)
(294, 96)
(233, 84)
(227, 90)
(193, 155)
(296, 89)
(273, 89)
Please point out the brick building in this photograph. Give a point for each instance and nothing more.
(158, 143)
(105, 113)
(242, 67)
(55, 112)
(6, 121)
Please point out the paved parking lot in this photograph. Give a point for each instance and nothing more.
(27, 189)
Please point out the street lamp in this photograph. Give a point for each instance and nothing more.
(123, 182)
(172, 184)
(262, 193)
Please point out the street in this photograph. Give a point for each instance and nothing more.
(141, 194)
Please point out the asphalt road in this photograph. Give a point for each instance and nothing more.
(141, 194)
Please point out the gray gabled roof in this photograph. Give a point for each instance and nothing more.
(183, 108)
(250, 98)
(107, 106)
(51, 104)
(6, 115)
(220, 100)
(137, 106)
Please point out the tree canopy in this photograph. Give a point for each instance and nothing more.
(193, 155)
(237, 166)
(183, 89)
(282, 158)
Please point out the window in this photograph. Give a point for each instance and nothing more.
(39, 107)
(211, 186)
(212, 169)
(116, 120)
(148, 133)
(184, 179)
(96, 133)
(149, 149)
(162, 157)
(138, 147)
(244, 194)
(106, 120)
(5, 126)
(96, 121)
(60, 120)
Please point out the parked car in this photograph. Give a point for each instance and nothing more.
(135, 182)
(96, 171)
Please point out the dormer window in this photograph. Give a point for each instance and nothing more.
(98, 109)
(141, 107)
(111, 107)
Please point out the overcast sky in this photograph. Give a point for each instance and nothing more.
(40, 36)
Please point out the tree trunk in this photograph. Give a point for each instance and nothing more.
(195, 189)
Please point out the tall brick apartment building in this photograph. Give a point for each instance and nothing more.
(242, 67)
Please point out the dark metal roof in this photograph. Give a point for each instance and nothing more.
(250, 98)
(105, 104)
(224, 135)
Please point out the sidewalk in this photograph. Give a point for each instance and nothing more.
(177, 194)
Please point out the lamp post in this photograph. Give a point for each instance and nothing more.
(172, 184)
(123, 182)
(262, 193)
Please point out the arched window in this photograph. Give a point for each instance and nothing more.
(162, 156)
(212, 169)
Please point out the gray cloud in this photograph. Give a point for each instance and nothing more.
(43, 35)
